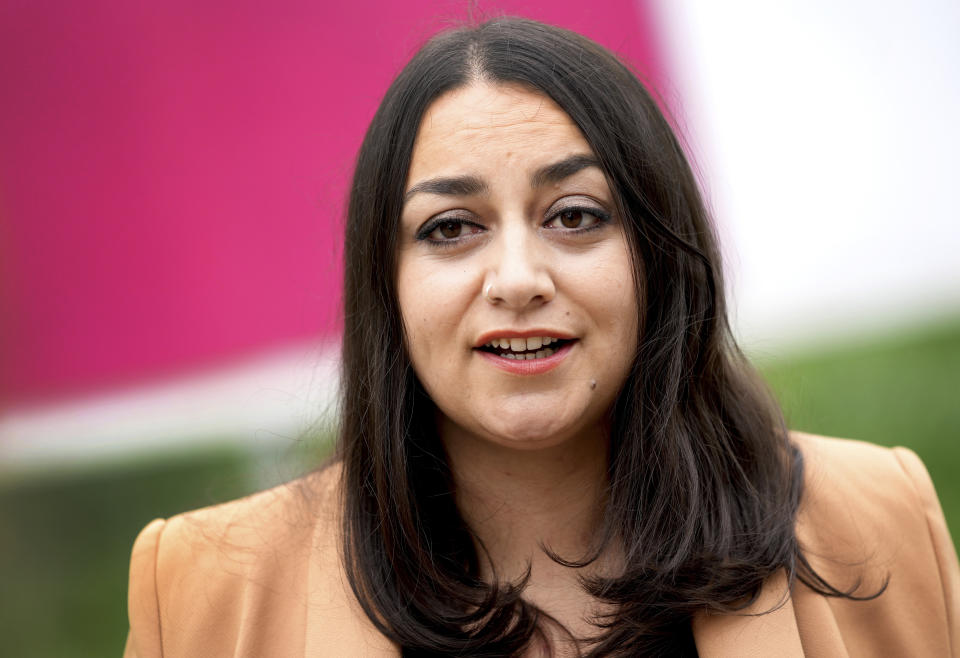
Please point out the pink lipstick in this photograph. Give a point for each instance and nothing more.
(518, 364)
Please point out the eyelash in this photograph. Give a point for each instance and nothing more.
(423, 235)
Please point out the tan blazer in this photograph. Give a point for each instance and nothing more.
(262, 576)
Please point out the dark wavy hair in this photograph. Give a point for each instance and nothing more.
(704, 484)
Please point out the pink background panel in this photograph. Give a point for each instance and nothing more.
(173, 174)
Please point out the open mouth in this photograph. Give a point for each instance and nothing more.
(525, 349)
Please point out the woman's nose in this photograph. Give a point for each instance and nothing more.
(520, 275)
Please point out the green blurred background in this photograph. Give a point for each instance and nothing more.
(67, 534)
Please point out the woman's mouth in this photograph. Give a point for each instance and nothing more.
(526, 356)
(525, 349)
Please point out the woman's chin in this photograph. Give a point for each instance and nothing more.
(530, 421)
(529, 432)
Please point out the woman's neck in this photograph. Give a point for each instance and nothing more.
(518, 501)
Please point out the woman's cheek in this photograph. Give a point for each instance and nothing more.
(434, 298)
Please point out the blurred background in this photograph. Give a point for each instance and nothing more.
(172, 183)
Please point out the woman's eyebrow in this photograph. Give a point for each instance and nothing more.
(473, 185)
(556, 172)
(452, 186)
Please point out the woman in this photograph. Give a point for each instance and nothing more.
(550, 444)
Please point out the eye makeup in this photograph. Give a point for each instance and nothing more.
(602, 218)
(442, 223)
(447, 230)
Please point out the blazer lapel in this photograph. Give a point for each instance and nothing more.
(749, 633)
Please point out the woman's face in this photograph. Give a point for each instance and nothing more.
(514, 276)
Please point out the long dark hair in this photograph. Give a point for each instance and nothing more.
(704, 484)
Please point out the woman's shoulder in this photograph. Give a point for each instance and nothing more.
(855, 492)
(196, 577)
(288, 512)
(845, 476)
(870, 521)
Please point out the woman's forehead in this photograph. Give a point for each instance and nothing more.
(486, 125)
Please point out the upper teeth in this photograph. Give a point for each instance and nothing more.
(521, 344)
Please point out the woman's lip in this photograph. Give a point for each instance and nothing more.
(527, 333)
(528, 366)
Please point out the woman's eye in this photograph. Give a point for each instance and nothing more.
(575, 218)
(447, 230)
